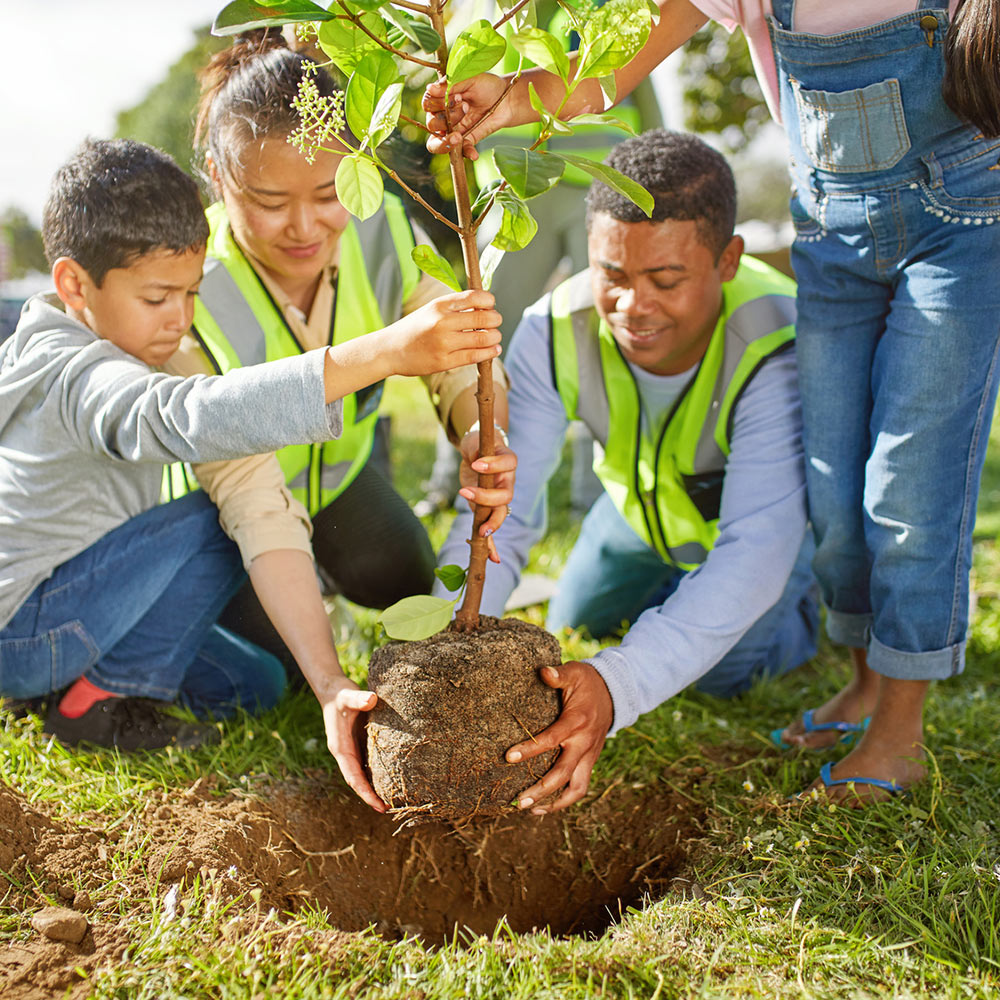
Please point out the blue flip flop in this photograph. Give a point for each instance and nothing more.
(849, 729)
(887, 786)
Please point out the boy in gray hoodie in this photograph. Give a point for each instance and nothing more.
(103, 591)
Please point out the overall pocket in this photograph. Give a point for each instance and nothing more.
(964, 186)
(856, 131)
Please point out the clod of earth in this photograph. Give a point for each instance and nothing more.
(60, 924)
(449, 709)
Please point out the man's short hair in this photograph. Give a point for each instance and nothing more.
(117, 200)
(689, 181)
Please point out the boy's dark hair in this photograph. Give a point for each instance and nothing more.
(117, 200)
(972, 65)
(689, 181)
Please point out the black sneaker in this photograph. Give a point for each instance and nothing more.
(129, 724)
(21, 708)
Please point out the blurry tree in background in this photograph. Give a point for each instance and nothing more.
(721, 93)
(165, 116)
(22, 244)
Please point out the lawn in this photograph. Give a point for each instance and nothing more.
(247, 870)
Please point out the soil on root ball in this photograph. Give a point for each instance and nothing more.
(449, 709)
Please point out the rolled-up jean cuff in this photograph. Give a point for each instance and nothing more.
(934, 665)
(848, 629)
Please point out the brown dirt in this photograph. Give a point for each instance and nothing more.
(313, 842)
(449, 708)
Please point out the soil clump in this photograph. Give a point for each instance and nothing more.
(449, 709)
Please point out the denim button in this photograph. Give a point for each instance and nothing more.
(928, 22)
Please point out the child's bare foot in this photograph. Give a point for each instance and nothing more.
(890, 751)
(852, 704)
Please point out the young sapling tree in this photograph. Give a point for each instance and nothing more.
(372, 42)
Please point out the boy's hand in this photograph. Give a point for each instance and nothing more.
(469, 102)
(503, 465)
(343, 720)
(458, 329)
(581, 729)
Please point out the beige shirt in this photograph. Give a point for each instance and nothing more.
(256, 508)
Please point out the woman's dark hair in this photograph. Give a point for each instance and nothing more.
(247, 92)
(972, 65)
(689, 181)
(115, 201)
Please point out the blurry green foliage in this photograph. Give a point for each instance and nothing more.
(721, 93)
(23, 243)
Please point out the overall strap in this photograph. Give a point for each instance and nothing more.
(784, 13)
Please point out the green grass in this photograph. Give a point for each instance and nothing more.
(794, 900)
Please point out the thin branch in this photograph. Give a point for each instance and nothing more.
(413, 121)
(514, 10)
(384, 44)
(418, 7)
(416, 196)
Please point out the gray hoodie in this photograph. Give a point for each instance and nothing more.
(86, 428)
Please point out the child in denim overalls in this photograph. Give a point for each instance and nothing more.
(896, 206)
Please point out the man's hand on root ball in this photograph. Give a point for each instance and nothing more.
(580, 732)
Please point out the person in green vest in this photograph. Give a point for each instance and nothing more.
(677, 352)
(289, 270)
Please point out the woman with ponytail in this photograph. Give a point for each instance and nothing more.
(892, 110)
(288, 270)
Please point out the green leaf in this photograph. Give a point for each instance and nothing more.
(526, 17)
(543, 49)
(550, 124)
(518, 226)
(452, 576)
(476, 50)
(374, 74)
(365, 4)
(529, 173)
(433, 264)
(612, 36)
(416, 30)
(616, 181)
(386, 113)
(359, 186)
(346, 44)
(604, 120)
(244, 15)
(417, 617)
(486, 192)
(488, 263)
(609, 88)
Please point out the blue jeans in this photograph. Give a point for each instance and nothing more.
(135, 614)
(612, 575)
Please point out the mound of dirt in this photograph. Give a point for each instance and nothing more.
(312, 843)
(449, 709)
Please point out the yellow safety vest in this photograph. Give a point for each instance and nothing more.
(669, 487)
(238, 323)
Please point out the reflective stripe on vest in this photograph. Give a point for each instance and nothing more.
(237, 323)
(669, 488)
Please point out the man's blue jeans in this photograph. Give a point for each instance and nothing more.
(613, 575)
(135, 613)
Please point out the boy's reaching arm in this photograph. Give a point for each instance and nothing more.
(454, 330)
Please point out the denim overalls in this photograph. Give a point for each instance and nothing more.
(897, 216)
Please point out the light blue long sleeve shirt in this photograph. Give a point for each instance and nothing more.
(761, 524)
(86, 428)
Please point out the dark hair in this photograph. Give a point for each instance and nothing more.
(971, 85)
(116, 200)
(687, 179)
(247, 92)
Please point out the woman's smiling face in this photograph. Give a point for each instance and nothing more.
(284, 210)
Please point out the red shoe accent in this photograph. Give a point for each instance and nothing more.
(81, 697)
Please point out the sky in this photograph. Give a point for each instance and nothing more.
(68, 68)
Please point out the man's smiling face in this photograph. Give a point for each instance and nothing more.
(659, 288)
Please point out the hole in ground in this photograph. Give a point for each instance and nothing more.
(319, 847)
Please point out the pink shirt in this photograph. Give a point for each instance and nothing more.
(816, 17)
